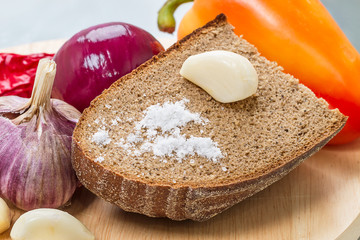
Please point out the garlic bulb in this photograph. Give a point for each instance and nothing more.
(35, 145)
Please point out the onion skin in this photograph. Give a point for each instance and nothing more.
(94, 58)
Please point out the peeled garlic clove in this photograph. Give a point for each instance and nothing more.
(226, 76)
(5, 217)
(49, 224)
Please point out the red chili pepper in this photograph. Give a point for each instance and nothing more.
(17, 73)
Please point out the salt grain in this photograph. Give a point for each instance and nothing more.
(132, 138)
(168, 116)
(101, 137)
(162, 124)
(98, 120)
(99, 159)
(151, 133)
(182, 147)
(124, 145)
(114, 122)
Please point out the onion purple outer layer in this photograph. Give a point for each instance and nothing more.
(94, 58)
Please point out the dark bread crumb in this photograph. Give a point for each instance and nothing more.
(258, 136)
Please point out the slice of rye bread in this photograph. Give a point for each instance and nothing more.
(261, 138)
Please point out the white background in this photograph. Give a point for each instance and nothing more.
(26, 21)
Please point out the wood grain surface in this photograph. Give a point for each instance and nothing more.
(318, 200)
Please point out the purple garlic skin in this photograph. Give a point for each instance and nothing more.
(35, 156)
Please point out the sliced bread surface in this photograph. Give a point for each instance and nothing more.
(156, 144)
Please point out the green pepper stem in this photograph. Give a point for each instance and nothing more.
(166, 20)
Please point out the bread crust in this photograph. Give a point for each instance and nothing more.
(178, 202)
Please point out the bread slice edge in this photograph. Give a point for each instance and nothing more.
(176, 202)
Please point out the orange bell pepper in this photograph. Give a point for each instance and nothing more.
(300, 35)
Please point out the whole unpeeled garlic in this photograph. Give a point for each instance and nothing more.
(5, 217)
(35, 145)
(49, 224)
(226, 76)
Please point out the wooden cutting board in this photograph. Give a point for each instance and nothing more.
(318, 200)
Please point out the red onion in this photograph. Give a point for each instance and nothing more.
(94, 58)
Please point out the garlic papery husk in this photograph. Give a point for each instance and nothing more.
(35, 146)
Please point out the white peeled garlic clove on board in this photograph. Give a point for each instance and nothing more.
(49, 224)
(226, 76)
(5, 217)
